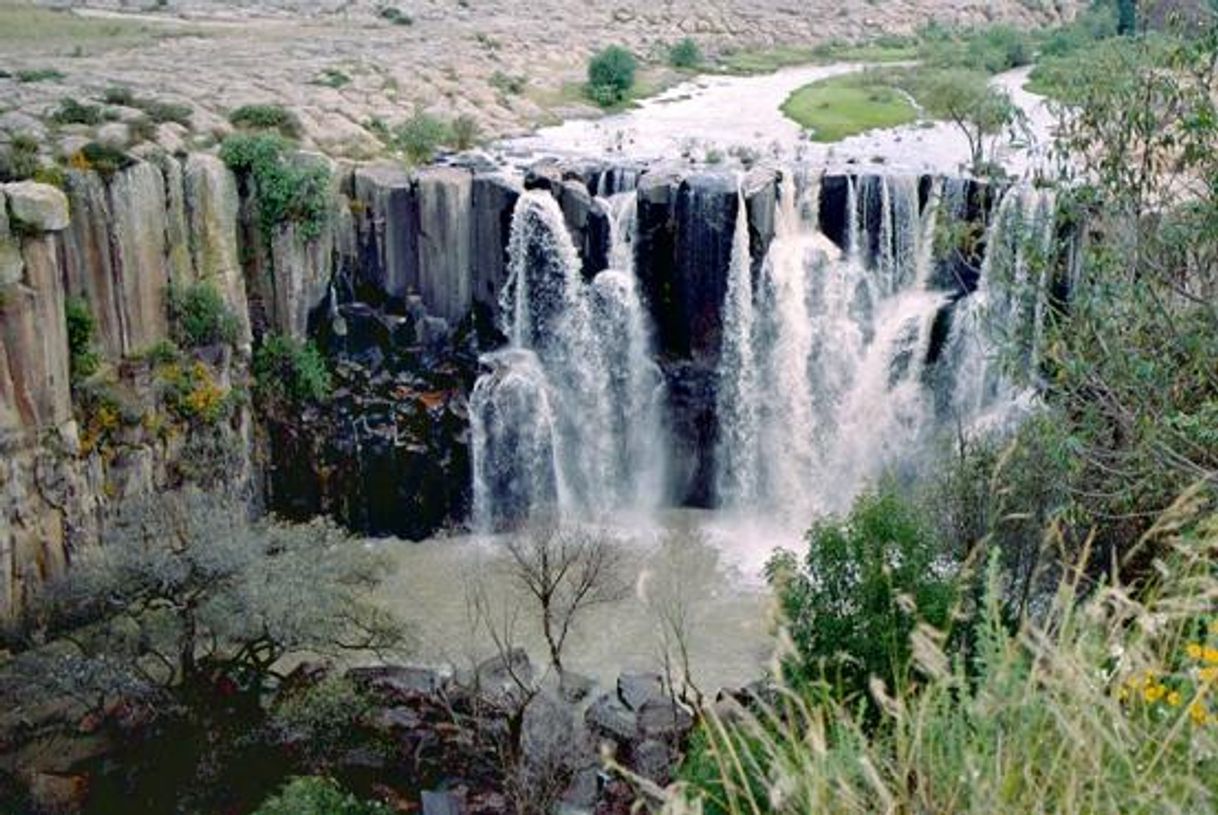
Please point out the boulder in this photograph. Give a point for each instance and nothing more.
(636, 689)
(440, 803)
(115, 135)
(665, 720)
(37, 207)
(396, 681)
(609, 718)
(654, 760)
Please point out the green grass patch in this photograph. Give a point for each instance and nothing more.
(25, 27)
(767, 60)
(843, 106)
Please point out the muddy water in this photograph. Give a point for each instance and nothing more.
(700, 562)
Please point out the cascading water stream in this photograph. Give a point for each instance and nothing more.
(736, 453)
(994, 348)
(565, 419)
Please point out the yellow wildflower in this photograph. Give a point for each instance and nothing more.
(1154, 693)
(1173, 698)
(1209, 674)
(1198, 713)
(1210, 655)
(1194, 650)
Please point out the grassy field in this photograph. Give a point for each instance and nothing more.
(764, 61)
(27, 28)
(648, 82)
(843, 106)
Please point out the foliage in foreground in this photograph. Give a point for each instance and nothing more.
(1100, 705)
(852, 601)
(313, 795)
(200, 316)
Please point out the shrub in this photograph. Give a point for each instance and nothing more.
(288, 191)
(510, 84)
(324, 719)
(395, 15)
(76, 113)
(611, 74)
(313, 795)
(39, 75)
(83, 359)
(864, 583)
(201, 317)
(19, 160)
(420, 136)
(333, 78)
(685, 54)
(100, 158)
(143, 129)
(161, 112)
(288, 372)
(266, 117)
(465, 132)
(119, 95)
(192, 394)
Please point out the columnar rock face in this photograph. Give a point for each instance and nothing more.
(494, 200)
(34, 390)
(387, 223)
(32, 325)
(137, 209)
(445, 196)
(300, 268)
(705, 218)
(655, 251)
(211, 215)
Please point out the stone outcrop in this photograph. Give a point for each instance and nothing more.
(211, 207)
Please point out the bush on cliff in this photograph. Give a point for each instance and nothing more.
(420, 136)
(288, 372)
(200, 317)
(83, 359)
(611, 75)
(289, 191)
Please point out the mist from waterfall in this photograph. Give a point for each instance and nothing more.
(566, 420)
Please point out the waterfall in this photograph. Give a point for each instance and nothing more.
(787, 423)
(994, 348)
(824, 377)
(820, 372)
(736, 453)
(567, 418)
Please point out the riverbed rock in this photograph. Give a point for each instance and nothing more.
(636, 689)
(609, 718)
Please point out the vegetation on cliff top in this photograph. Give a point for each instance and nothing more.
(291, 190)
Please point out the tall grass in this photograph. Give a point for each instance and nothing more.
(1103, 703)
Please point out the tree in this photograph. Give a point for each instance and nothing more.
(564, 572)
(185, 593)
(852, 601)
(685, 54)
(972, 104)
(611, 74)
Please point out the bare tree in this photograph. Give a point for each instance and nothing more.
(564, 571)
